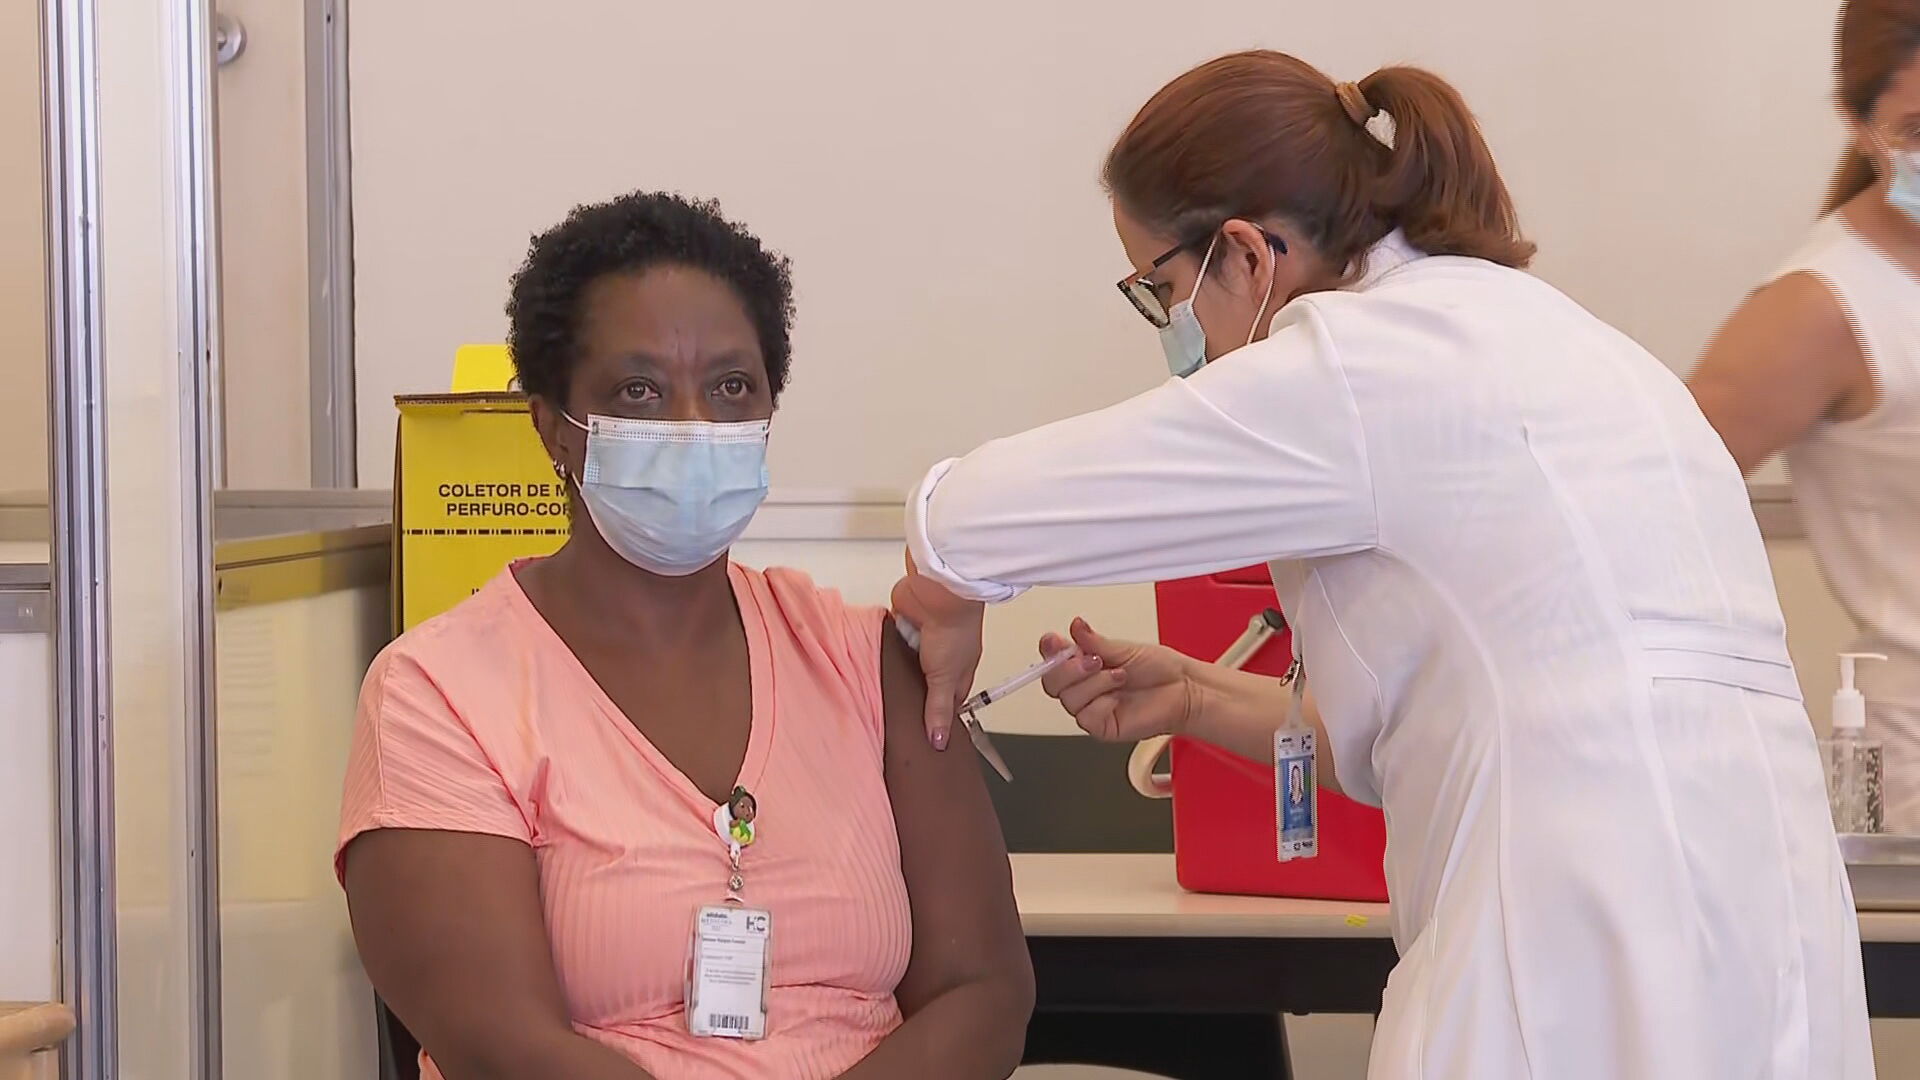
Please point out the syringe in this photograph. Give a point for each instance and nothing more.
(977, 734)
(994, 693)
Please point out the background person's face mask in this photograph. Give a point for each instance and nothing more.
(1904, 191)
(671, 496)
(1903, 178)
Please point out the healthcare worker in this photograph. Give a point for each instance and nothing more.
(1824, 363)
(1528, 589)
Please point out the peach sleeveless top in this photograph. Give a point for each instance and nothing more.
(483, 721)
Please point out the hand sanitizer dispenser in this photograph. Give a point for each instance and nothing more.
(1853, 760)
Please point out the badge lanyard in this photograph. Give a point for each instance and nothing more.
(732, 944)
(734, 823)
(1295, 780)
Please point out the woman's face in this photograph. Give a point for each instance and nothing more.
(668, 343)
(1244, 272)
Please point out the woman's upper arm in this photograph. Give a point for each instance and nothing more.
(966, 926)
(1258, 456)
(440, 876)
(1786, 360)
(451, 931)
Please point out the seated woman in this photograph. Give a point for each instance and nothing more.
(550, 783)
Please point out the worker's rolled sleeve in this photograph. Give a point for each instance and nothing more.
(928, 557)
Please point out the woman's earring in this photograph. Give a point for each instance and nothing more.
(560, 470)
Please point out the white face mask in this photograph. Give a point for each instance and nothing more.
(671, 496)
(1183, 339)
(1903, 177)
(1903, 192)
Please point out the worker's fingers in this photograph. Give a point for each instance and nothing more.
(943, 701)
(1052, 644)
(1083, 694)
(1100, 718)
(1112, 653)
(1069, 673)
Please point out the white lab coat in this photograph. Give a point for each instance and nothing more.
(1527, 583)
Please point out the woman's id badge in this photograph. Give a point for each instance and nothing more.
(727, 972)
(1296, 786)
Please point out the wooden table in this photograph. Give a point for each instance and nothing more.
(1121, 953)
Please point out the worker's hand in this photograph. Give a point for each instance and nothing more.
(1121, 691)
(950, 630)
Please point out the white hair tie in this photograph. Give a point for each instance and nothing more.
(1382, 127)
(1377, 121)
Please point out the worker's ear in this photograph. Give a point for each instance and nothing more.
(1246, 259)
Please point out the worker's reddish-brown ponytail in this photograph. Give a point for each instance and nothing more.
(1876, 39)
(1259, 134)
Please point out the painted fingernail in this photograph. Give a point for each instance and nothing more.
(1089, 663)
(939, 740)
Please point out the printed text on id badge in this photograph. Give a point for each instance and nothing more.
(727, 972)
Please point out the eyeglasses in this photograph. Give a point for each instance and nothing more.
(1154, 299)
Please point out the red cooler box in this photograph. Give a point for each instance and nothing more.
(1225, 837)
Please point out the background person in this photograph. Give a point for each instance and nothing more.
(1823, 363)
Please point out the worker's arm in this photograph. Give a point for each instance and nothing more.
(968, 990)
(1124, 691)
(1787, 360)
(1256, 457)
(1240, 711)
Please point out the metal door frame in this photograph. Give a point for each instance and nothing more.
(333, 451)
(79, 499)
(77, 495)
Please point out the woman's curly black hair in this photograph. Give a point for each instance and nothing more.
(627, 235)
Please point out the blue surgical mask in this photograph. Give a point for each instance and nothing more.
(671, 496)
(1904, 192)
(1183, 339)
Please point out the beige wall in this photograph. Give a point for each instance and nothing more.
(932, 170)
(1816, 627)
(263, 225)
(23, 308)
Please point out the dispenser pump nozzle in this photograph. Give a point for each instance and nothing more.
(1849, 704)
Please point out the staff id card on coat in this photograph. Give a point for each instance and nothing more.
(727, 972)
(1296, 785)
(1298, 792)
